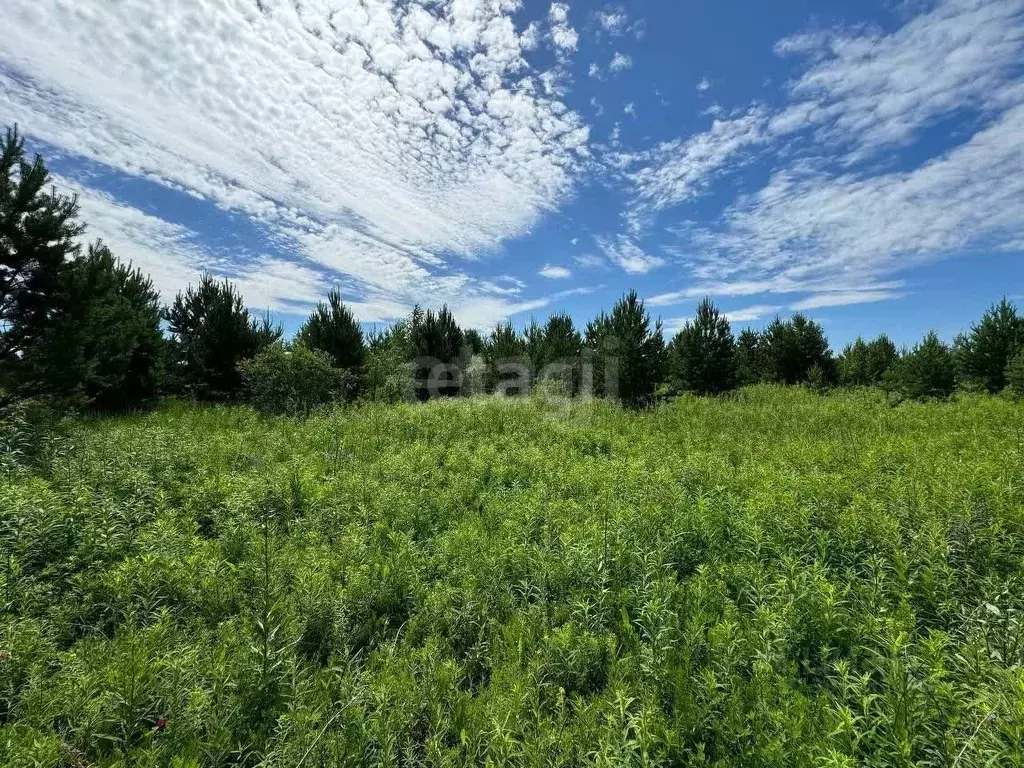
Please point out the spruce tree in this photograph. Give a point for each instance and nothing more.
(702, 356)
(983, 354)
(38, 230)
(334, 330)
(212, 332)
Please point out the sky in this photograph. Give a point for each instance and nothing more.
(862, 162)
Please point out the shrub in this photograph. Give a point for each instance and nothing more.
(293, 380)
(928, 370)
(388, 368)
(702, 356)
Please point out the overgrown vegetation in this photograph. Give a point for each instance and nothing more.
(770, 579)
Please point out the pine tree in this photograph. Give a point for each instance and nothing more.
(38, 231)
(534, 338)
(334, 330)
(505, 356)
(103, 348)
(562, 347)
(928, 370)
(436, 339)
(1015, 375)
(793, 346)
(864, 364)
(751, 358)
(702, 356)
(212, 332)
(982, 355)
(629, 352)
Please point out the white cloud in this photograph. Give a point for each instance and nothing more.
(628, 255)
(590, 261)
(629, 109)
(703, 85)
(594, 71)
(613, 21)
(563, 35)
(381, 139)
(555, 272)
(620, 61)
(749, 314)
(844, 298)
(574, 240)
(873, 90)
(827, 222)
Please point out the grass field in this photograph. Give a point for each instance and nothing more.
(773, 579)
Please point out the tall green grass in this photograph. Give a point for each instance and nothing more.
(772, 579)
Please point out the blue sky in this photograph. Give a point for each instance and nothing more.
(860, 161)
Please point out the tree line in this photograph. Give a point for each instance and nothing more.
(82, 329)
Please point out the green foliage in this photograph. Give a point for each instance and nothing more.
(103, 348)
(211, 333)
(983, 354)
(751, 358)
(293, 379)
(562, 347)
(928, 370)
(506, 358)
(1015, 374)
(627, 352)
(38, 230)
(334, 330)
(702, 356)
(388, 370)
(793, 347)
(865, 364)
(436, 340)
(511, 582)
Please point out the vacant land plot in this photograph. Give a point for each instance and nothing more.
(771, 579)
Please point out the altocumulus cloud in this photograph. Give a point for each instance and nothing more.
(382, 140)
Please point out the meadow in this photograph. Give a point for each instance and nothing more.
(771, 578)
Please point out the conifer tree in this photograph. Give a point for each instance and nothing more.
(702, 356)
(212, 332)
(505, 348)
(864, 364)
(793, 346)
(103, 347)
(629, 351)
(983, 354)
(38, 230)
(334, 329)
(562, 346)
(436, 339)
(928, 370)
(751, 358)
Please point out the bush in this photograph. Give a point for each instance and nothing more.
(293, 380)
